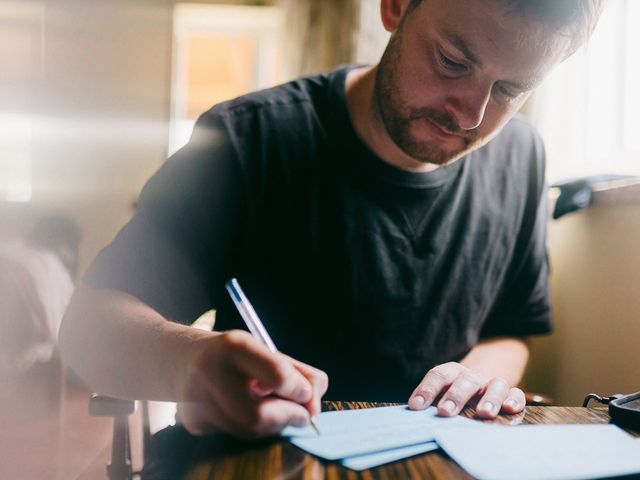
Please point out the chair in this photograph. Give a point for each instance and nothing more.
(120, 466)
(537, 400)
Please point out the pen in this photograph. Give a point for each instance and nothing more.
(254, 324)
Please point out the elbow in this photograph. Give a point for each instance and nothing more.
(75, 338)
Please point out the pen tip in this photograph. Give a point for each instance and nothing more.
(314, 424)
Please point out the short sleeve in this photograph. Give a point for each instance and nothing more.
(523, 307)
(176, 250)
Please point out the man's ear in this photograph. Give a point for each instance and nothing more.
(391, 12)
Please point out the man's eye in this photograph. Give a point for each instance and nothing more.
(451, 64)
(505, 93)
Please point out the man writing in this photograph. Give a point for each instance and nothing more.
(388, 224)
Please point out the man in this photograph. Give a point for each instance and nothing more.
(388, 224)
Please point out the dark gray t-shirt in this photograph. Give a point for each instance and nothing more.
(369, 272)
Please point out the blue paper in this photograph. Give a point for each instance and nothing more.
(552, 452)
(370, 460)
(357, 432)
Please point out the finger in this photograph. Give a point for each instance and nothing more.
(319, 381)
(257, 390)
(252, 414)
(463, 389)
(275, 413)
(496, 392)
(202, 418)
(290, 383)
(273, 371)
(515, 402)
(434, 382)
(245, 415)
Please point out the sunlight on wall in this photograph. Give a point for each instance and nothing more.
(632, 80)
(16, 134)
(21, 50)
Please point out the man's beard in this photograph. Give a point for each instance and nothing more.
(398, 117)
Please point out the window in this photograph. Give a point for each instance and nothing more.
(15, 157)
(21, 39)
(587, 108)
(221, 52)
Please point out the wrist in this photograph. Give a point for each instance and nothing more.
(194, 347)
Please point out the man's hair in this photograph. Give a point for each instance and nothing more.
(59, 234)
(577, 18)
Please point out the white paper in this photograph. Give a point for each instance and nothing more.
(370, 460)
(551, 452)
(348, 433)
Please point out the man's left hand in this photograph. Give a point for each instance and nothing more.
(451, 386)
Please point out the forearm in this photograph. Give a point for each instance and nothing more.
(121, 347)
(504, 357)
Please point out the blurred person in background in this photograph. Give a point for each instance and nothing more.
(37, 276)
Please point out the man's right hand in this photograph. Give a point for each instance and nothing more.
(234, 384)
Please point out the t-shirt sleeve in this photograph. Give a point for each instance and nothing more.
(174, 254)
(523, 307)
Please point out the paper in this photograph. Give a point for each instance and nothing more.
(552, 452)
(357, 432)
(370, 460)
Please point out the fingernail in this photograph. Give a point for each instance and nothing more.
(489, 407)
(299, 421)
(511, 403)
(449, 406)
(304, 394)
(417, 402)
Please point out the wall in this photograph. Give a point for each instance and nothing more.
(101, 115)
(596, 296)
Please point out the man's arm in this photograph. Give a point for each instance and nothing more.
(486, 375)
(224, 381)
(504, 357)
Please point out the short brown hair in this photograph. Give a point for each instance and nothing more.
(577, 17)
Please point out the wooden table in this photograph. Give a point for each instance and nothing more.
(176, 454)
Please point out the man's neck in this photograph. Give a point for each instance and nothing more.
(367, 121)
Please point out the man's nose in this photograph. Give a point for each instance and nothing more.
(468, 104)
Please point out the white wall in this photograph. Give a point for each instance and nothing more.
(595, 257)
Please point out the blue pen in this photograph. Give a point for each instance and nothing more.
(250, 317)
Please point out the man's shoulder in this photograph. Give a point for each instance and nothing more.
(291, 118)
(303, 94)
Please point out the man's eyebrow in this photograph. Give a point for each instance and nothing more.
(462, 45)
(523, 86)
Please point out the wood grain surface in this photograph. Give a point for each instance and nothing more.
(225, 458)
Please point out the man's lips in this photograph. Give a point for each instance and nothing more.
(440, 131)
